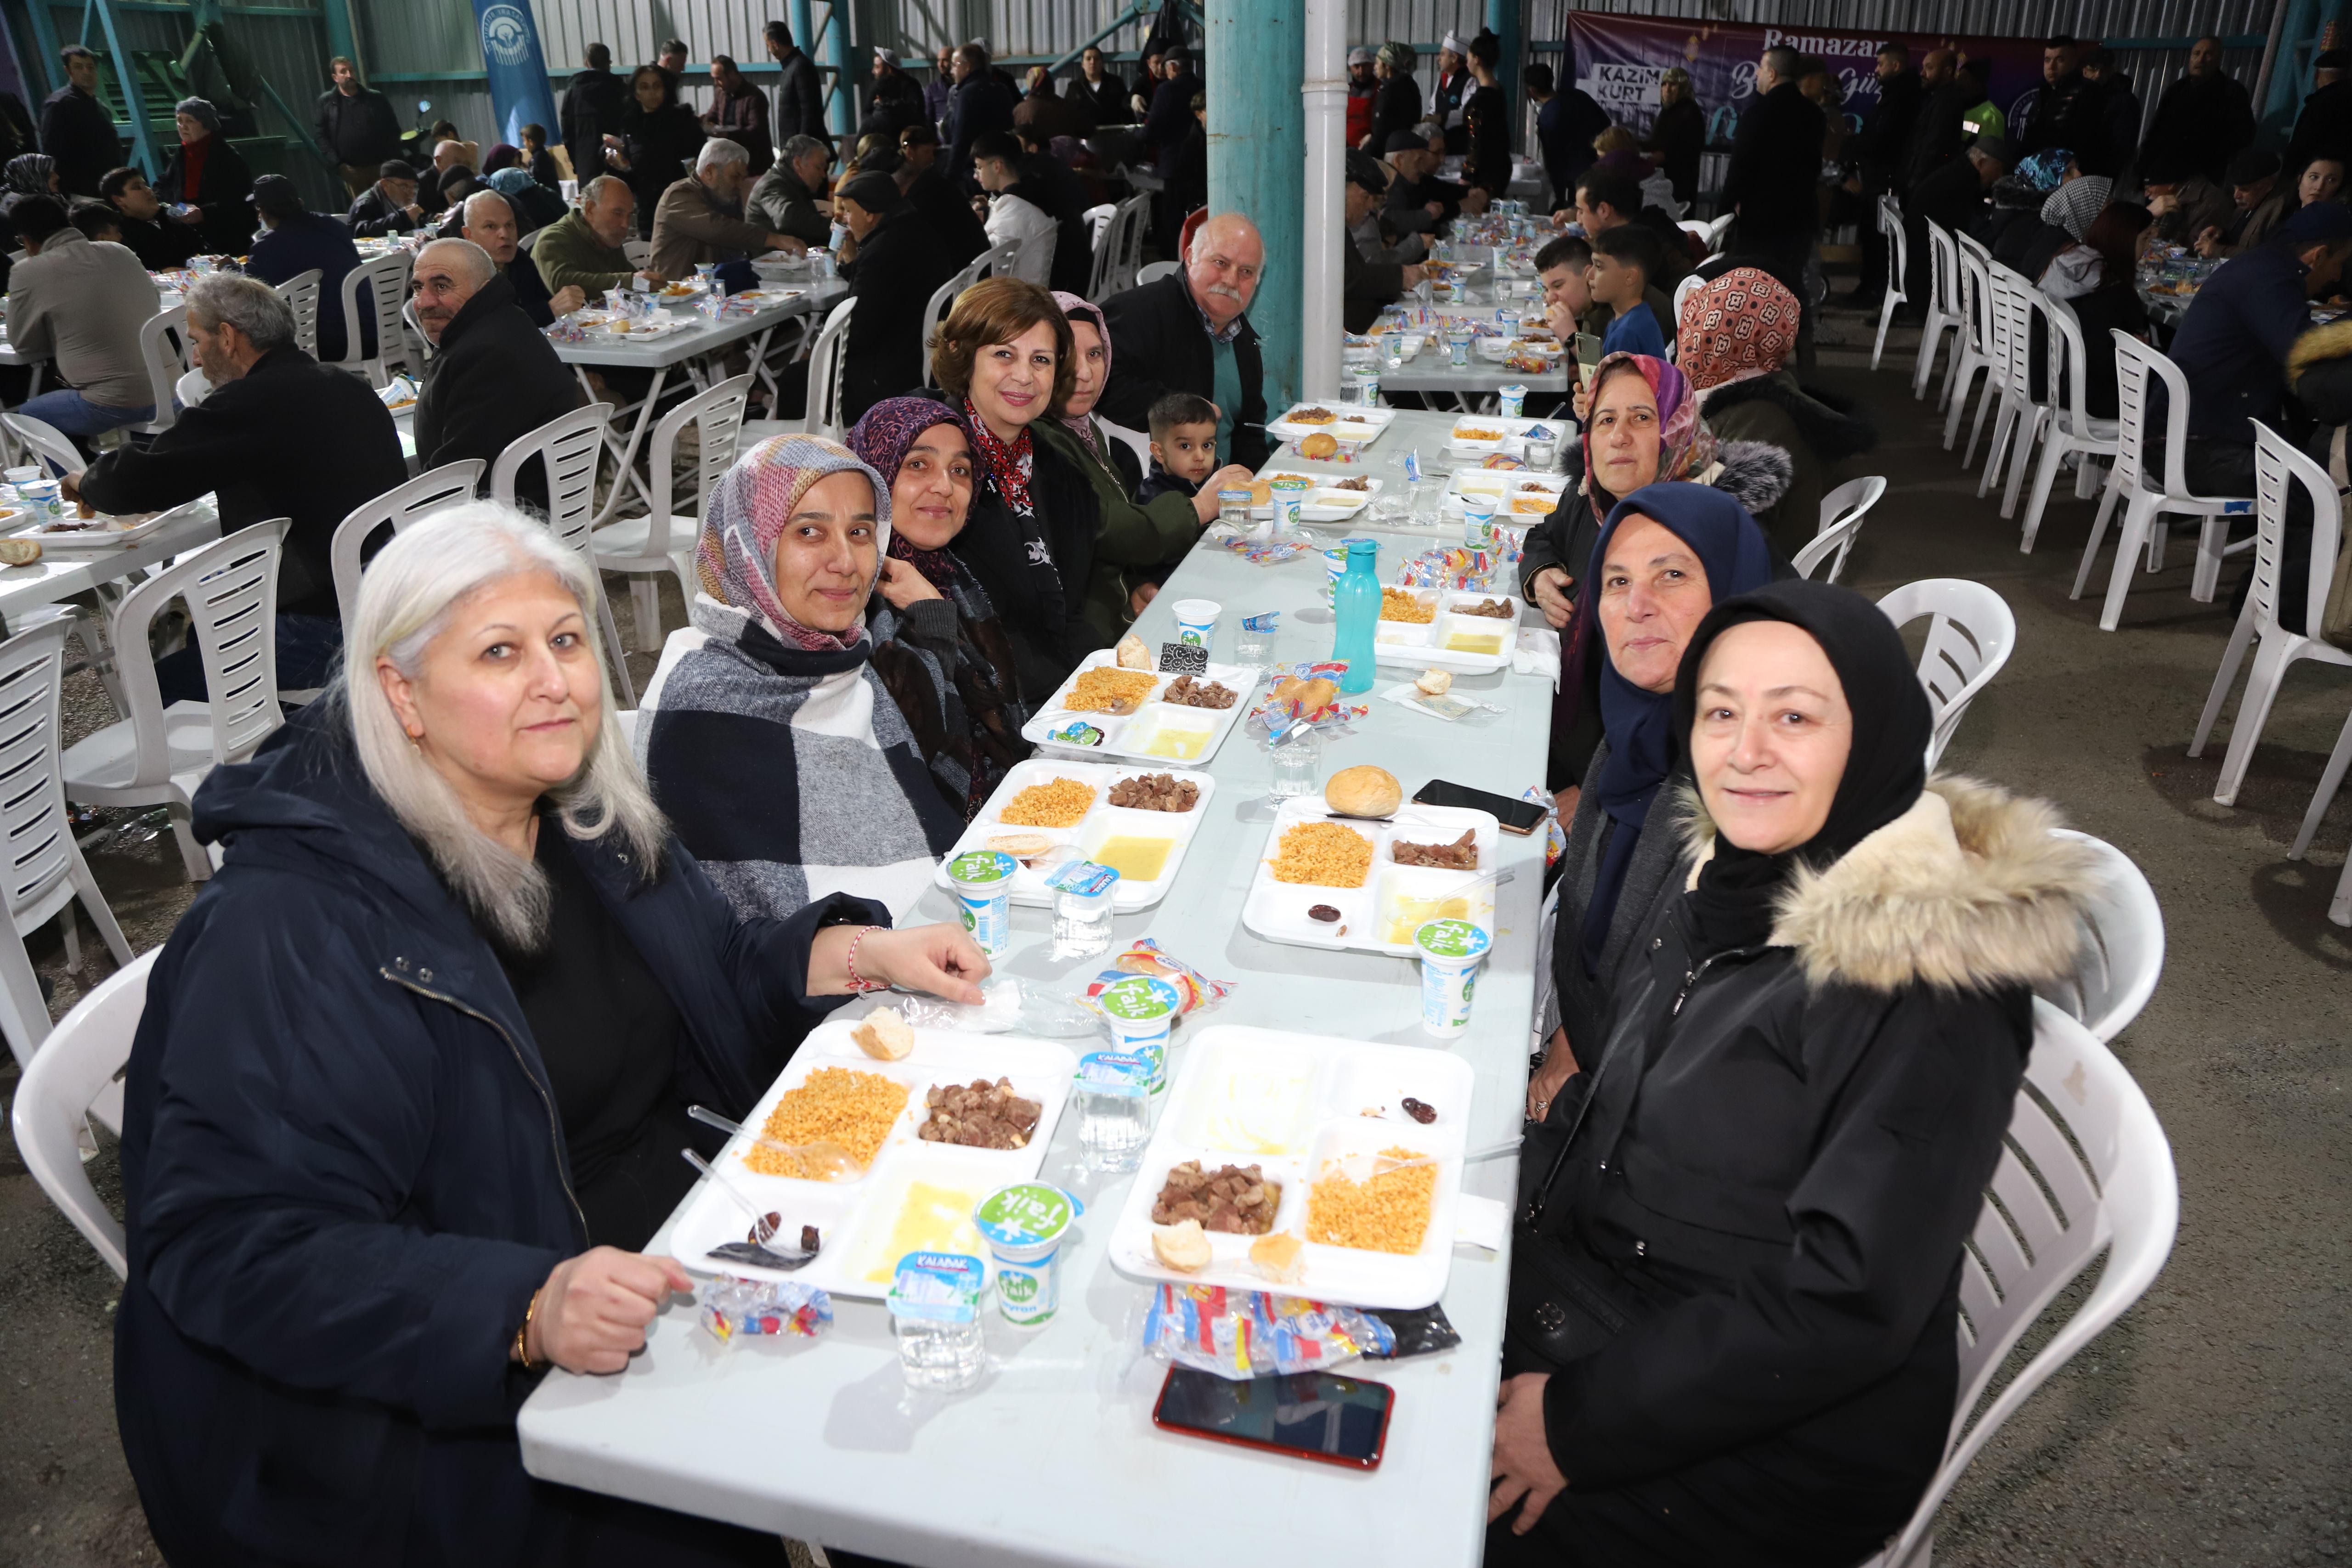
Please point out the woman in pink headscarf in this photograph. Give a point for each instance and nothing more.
(1734, 342)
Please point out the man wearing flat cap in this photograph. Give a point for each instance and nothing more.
(894, 263)
(1369, 284)
(389, 207)
(1419, 201)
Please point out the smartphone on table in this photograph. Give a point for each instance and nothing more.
(1322, 1415)
(1515, 816)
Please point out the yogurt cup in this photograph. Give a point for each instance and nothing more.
(1511, 399)
(1451, 951)
(1024, 1225)
(43, 499)
(983, 889)
(1457, 348)
(1141, 1011)
(1196, 619)
(1289, 496)
(1478, 520)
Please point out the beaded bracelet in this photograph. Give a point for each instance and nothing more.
(857, 983)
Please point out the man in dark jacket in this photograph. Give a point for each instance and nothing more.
(389, 207)
(297, 240)
(2066, 111)
(899, 265)
(594, 101)
(784, 198)
(893, 103)
(1106, 97)
(953, 226)
(2118, 115)
(490, 223)
(77, 129)
(1935, 133)
(800, 93)
(739, 112)
(356, 125)
(1565, 127)
(1049, 185)
(1188, 332)
(1418, 201)
(1369, 284)
(1775, 165)
(2324, 128)
(2202, 120)
(138, 212)
(1954, 197)
(493, 377)
(279, 435)
(1878, 153)
(979, 106)
(1170, 122)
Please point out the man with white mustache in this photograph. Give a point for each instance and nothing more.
(1188, 332)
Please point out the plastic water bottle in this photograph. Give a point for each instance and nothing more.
(1356, 603)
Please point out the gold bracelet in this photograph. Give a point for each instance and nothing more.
(523, 1335)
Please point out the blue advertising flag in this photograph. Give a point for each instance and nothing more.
(519, 94)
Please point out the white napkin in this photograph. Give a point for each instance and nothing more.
(1481, 1221)
(1537, 653)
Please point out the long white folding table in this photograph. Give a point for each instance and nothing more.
(1053, 1459)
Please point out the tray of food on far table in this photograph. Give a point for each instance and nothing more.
(1135, 819)
(1369, 880)
(1115, 704)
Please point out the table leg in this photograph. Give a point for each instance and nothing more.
(627, 473)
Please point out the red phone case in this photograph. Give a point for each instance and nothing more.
(1380, 1441)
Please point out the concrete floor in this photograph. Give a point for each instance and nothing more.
(2212, 1424)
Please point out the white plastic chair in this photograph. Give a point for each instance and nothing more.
(1120, 249)
(448, 485)
(1690, 284)
(157, 756)
(301, 293)
(2277, 465)
(2119, 1195)
(1969, 640)
(71, 1078)
(163, 351)
(46, 443)
(1001, 261)
(941, 303)
(2123, 947)
(1715, 230)
(1137, 213)
(2071, 428)
(1944, 313)
(828, 358)
(2331, 779)
(44, 872)
(1136, 442)
(2022, 416)
(2146, 503)
(663, 540)
(386, 280)
(1978, 322)
(1154, 273)
(569, 447)
(1898, 259)
(1842, 510)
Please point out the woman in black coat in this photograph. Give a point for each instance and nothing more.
(406, 1100)
(659, 139)
(1731, 1336)
(206, 182)
(1678, 135)
(1003, 357)
(1397, 105)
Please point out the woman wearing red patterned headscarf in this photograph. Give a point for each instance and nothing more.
(1734, 338)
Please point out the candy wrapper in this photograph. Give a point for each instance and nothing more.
(1276, 712)
(1257, 552)
(1146, 956)
(732, 1306)
(1241, 1334)
(1554, 836)
(1460, 567)
(1005, 1004)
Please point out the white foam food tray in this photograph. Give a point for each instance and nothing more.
(1291, 1105)
(1352, 422)
(1135, 736)
(1102, 823)
(1425, 644)
(1382, 915)
(1492, 433)
(931, 1187)
(1522, 499)
(1327, 502)
(101, 533)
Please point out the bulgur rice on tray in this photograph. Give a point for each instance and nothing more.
(1389, 1213)
(1057, 803)
(1322, 854)
(835, 1105)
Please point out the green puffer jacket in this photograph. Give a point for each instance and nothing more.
(1137, 540)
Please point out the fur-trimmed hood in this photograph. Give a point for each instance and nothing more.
(1827, 422)
(1968, 889)
(1755, 474)
(2333, 341)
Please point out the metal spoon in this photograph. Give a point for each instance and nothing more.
(824, 1161)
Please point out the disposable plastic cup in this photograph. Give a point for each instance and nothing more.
(984, 889)
(1479, 521)
(1511, 399)
(1451, 952)
(1141, 1011)
(1196, 620)
(1024, 1225)
(1114, 1092)
(1457, 348)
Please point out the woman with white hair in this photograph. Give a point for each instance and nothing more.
(206, 183)
(409, 1091)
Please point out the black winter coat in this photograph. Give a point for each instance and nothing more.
(2069, 113)
(228, 223)
(957, 228)
(301, 242)
(343, 1175)
(593, 105)
(78, 130)
(1936, 134)
(1047, 184)
(1160, 346)
(493, 378)
(1396, 106)
(2198, 126)
(1776, 165)
(360, 127)
(1886, 130)
(372, 215)
(1679, 137)
(979, 105)
(800, 101)
(290, 438)
(1171, 119)
(899, 268)
(661, 148)
(1742, 1267)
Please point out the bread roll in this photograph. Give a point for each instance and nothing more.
(1364, 792)
(883, 1035)
(1183, 1247)
(1279, 1258)
(1320, 444)
(19, 552)
(1436, 683)
(1133, 655)
(1318, 693)
(1261, 493)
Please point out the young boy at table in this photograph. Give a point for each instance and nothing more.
(1184, 445)
(1624, 260)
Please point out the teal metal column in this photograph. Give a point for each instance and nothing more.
(45, 41)
(841, 112)
(1503, 21)
(1257, 147)
(150, 156)
(341, 39)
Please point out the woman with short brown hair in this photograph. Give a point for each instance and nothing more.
(1005, 357)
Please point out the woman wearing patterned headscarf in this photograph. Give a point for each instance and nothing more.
(1396, 104)
(206, 182)
(2067, 215)
(1735, 337)
(535, 207)
(1642, 426)
(938, 644)
(32, 174)
(766, 735)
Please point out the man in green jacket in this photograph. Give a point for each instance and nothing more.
(582, 248)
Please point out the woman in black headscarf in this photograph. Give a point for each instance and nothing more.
(1666, 555)
(1731, 1335)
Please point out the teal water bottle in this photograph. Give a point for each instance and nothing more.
(1356, 603)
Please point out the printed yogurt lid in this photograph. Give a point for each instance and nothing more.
(1139, 998)
(981, 866)
(1452, 939)
(1025, 1214)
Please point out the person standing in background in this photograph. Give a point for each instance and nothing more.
(1105, 96)
(1448, 93)
(1775, 160)
(356, 125)
(2118, 111)
(981, 107)
(894, 103)
(2203, 120)
(1169, 122)
(594, 101)
(1362, 88)
(672, 58)
(941, 90)
(206, 183)
(800, 95)
(2067, 112)
(1936, 134)
(659, 139)
(2324, 127)
(1678, 135)
(738, 111)
(1487, 114)
(77, 129)
(1397, 106)
(1878, 154)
